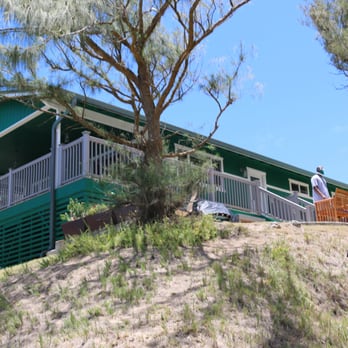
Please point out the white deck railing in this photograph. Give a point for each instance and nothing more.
(25, 182)
(310, 208)
(246, 195)
(5, 187)
(69, 162)
(274, 205)
(93, 157)
(90, 156)
(231, 190)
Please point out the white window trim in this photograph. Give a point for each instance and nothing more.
(300, 183)
(251, 172)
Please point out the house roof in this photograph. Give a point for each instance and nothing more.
(229, 147)
(115, 111)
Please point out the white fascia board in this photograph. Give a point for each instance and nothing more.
(15, 95)
(50, 104)
(95, 116)
(107, 120)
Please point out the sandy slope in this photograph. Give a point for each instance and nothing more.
(78, 304)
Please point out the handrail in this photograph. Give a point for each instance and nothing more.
(279, 207)
(70, 162)
(105, 157)
(89, 156)
(310, 207)
(86, 156)
(231, 190)
(243, 194)
(25, 182)
(4, 190)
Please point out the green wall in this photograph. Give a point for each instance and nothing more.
(12, 112)
(24, 228)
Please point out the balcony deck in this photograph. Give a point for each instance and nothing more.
(94, 158)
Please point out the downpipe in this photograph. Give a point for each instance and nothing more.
(52, 231)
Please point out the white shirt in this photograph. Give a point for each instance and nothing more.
(320, 182)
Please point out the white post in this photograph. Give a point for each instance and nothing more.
(256, 197)
(58, 156)
(10, 188)
(211, 185)
(85, 153)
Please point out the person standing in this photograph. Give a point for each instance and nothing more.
(319, 185)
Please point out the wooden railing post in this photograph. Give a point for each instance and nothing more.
(85, 153)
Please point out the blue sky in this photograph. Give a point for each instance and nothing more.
(294, 108)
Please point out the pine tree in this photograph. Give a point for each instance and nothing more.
(142, 53)
(330, 18)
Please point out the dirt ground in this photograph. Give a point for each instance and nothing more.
(71, 304)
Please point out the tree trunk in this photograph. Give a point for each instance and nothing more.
(155, 193)
(154, 146)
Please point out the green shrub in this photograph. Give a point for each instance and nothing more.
(77, 209)
(157, 188)
(167, 237)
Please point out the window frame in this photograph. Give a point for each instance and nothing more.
(257, 174)
(300, 184)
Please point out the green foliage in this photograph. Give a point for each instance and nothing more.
(73, 323)
(95, 312)
(250, 279)
(10, 319)
(83, 289)
(158, 188)
(191, 325)
(48, 261)
(86, 244)
(128, 292)
(330, 18)
(4, 305)
(87, 47)
(168, 237)
(77, 209)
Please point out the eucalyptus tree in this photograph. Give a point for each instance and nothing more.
(142, 53)
(330, 18)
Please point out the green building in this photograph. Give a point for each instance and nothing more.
(46, 159)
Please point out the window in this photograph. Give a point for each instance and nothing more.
(300, 187)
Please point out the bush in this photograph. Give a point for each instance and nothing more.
(77, 210)
(157, 188)
(167, 237)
